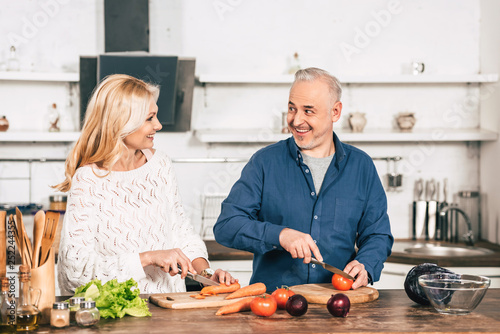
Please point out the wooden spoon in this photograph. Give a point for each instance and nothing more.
(38, 227)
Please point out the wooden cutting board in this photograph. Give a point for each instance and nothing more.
(321, 293)
(181, 300)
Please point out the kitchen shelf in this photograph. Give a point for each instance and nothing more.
(352, 79)
(369, 136)
(39, 76)
(38, 136)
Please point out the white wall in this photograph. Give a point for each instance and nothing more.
(490, 118)
(259, 37)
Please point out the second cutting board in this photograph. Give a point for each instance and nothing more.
(320, 293)
(182, 300)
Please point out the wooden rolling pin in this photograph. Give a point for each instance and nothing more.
(3, 246)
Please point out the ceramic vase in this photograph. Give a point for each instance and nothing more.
(357, 121)
(4, 123)
(406, 121)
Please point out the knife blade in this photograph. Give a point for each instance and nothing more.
(200, 279)
(332, 269)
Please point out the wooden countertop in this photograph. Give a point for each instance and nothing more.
(392, 312)
(218, 253)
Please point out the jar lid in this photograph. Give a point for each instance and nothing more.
(60, 305)
(76, 300)
(468, 194)
(87, 304)
(58, 198)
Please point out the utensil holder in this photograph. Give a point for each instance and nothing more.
(43, 278)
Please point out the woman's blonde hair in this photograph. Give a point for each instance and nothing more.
(117, 108)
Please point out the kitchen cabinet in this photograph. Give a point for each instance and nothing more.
(377, 136)
(240, 269)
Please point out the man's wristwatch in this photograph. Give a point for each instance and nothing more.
(207, 272)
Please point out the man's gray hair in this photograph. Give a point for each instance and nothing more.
(313, 73)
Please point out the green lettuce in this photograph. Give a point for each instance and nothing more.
(115, 299)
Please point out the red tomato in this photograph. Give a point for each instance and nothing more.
(341, 283)
(263, 306)
(281, 296)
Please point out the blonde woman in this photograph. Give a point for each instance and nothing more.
(124, 216)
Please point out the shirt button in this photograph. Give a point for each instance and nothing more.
(315, 217)
(313, 193)
(313, 265)
(315, 241)
(307, 170)
(275, 247)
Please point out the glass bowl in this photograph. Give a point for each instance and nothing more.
(454, 293)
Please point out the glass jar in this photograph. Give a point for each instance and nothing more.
(58, 203)
(27, 314)
(59, 317)
(74, 305)
(88, 314)
(7, 308)
(13, 61)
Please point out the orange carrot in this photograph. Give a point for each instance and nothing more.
(216, 289)
(237, 306)
(197, 296)
(249, 290)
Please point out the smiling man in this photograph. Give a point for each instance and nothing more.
(309, 196)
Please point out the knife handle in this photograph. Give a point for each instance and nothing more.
(414, 221)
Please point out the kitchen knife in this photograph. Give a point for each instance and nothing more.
(332, 269)
(420, 208)
(200, 279)
(432, 204)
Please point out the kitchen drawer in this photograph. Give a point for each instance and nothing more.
(240, 269)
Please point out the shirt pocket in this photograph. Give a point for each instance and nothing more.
(348, 213)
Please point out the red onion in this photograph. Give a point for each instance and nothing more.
(296, 305)
(338, 305)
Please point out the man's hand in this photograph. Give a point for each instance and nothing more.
(299, 245)
(354, 268)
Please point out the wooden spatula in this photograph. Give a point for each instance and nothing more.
(49, 234)
(38, 226)
(23, 238)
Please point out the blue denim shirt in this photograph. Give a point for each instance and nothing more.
(276, 190)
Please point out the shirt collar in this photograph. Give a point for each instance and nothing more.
(297, 155)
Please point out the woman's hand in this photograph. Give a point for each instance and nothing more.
(168, 260)
(223, 277)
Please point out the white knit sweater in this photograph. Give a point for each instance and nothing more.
(110, 220)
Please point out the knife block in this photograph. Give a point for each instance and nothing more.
(43, 278)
